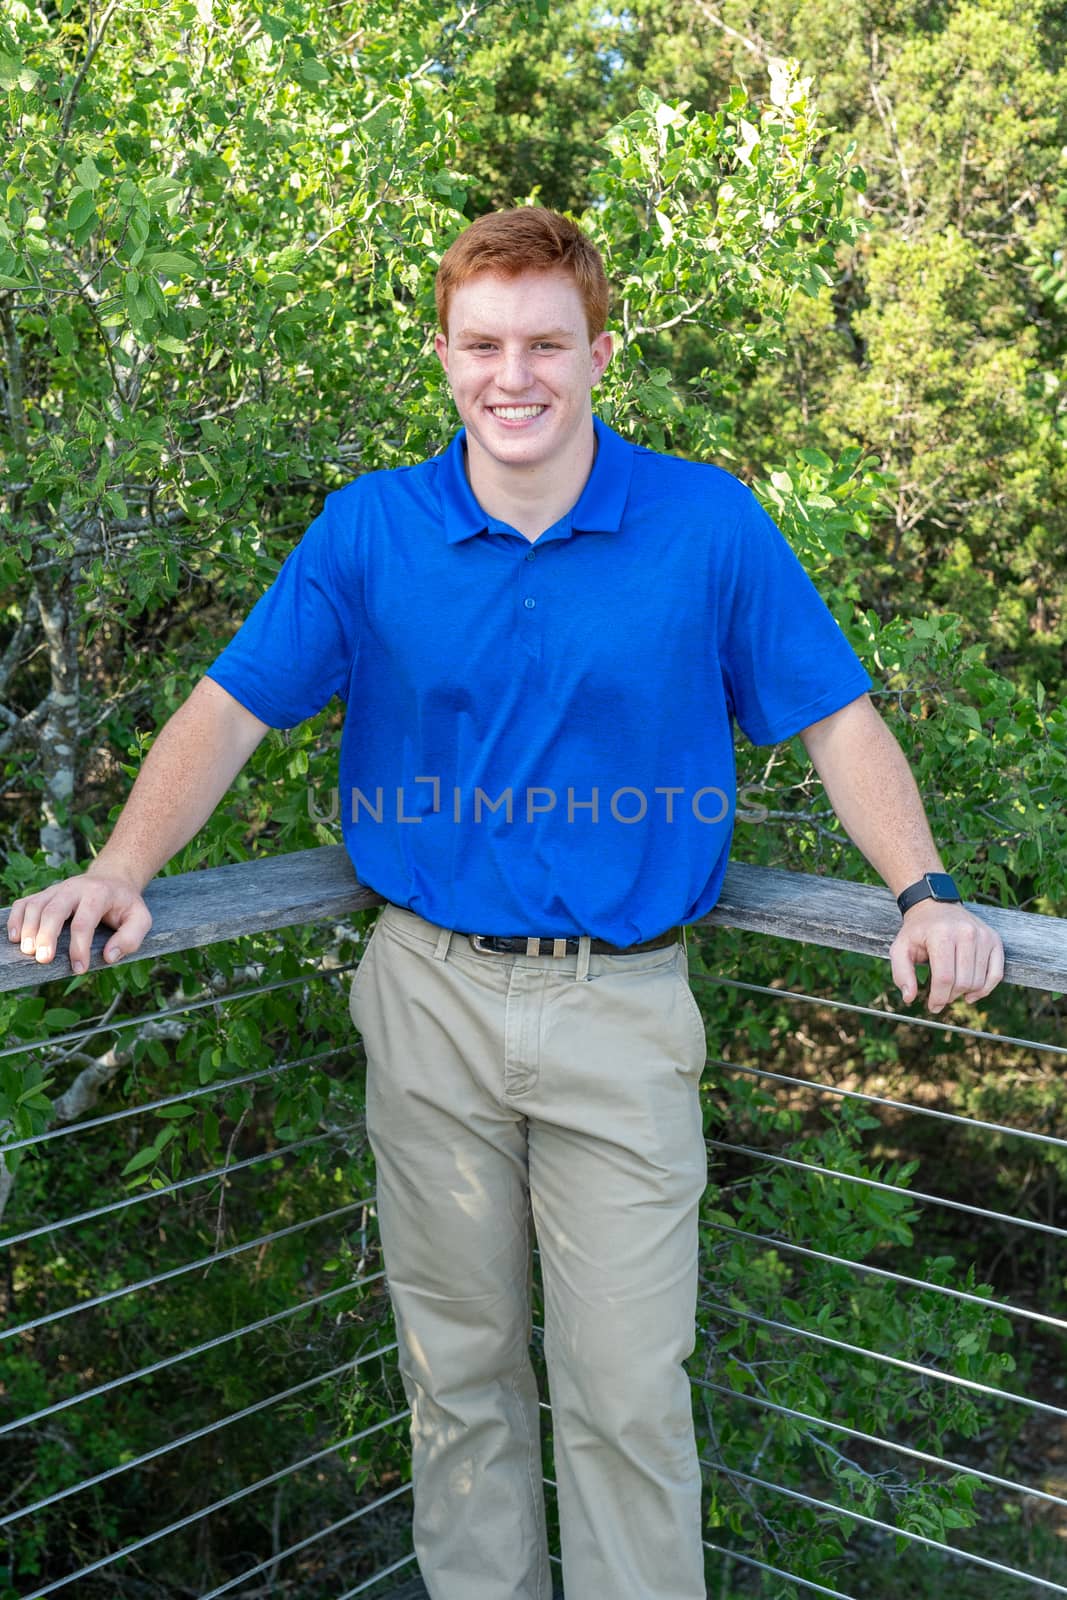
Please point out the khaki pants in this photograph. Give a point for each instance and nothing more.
(502, 1088)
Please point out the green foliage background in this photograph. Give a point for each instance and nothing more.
(218, 230)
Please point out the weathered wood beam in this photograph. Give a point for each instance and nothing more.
(199, 908)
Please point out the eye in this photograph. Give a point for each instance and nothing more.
(546, 344)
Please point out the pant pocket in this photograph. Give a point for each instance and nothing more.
(360, 976)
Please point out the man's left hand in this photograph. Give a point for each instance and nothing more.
(964, 954)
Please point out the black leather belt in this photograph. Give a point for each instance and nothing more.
(496, 944)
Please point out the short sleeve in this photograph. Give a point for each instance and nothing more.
(786, 662)
(295, 649)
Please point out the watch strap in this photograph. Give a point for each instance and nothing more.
(931, 886)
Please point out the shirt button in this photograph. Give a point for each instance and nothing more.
(529, 604)
(530, 555)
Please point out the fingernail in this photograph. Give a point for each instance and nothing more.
(11, 933)
(78, 966)
(27, 946)
(44, 954)
(110, 955)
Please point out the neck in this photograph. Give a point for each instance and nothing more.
(530, 498)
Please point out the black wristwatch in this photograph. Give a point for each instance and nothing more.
(931, 886)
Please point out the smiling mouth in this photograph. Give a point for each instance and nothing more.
(516, 413)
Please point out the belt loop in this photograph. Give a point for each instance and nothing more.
(444, 940)
(581, 971)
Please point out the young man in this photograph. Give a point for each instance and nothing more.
(543, 636)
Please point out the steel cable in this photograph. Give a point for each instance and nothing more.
(884, 1444)
(105, 1025)
(892, 1277)
(894, 1105)
(174, 1188)
(189, 1438)
(216, 1505)
(178, 1272)
(882, 1016)
(718, 1309)
(185, 1355)
(888, 1188)
(889, 1527)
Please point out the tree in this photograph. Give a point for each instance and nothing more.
(215, 298)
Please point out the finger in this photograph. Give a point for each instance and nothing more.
(32, 911)
(943, 985)
(902, 966)
(960, 958)
(14, 919)
(54, 913)
(131, 926)
(994, 972)
(970, 959)
(83, 925)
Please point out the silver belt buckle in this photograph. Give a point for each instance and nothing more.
(476, 942)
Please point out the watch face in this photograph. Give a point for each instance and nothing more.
(941, 886)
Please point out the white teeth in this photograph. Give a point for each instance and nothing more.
(516, 413)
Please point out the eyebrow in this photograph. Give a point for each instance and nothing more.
(548, 333)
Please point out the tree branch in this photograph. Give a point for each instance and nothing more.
(750, 45)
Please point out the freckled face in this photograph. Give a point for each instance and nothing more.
(522, 369)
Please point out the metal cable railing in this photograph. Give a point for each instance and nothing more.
(763, 1561)
(919, 1368)
(164, 1192)
(930, 1023)
(378, 1577)
(987, 1302)
(887, 1188)
(974, 1123)
(221, 1086)
(312, 1539)
(881, 1443)
(191, 1438)
(101, 1025)
(154, 1367)
(216, 1505)
(179, 1272)
(889, 1527)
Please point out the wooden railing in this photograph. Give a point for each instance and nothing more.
(200, 908)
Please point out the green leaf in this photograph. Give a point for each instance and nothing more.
(61, 1017)
(81, 208)
(87, 175)
(143, 1158)
(63, 333)
(313, 71)
(172, 264)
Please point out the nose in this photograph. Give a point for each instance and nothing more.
(513, 372)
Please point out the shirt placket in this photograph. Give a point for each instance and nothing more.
(529, 619)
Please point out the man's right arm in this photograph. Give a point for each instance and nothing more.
(195, 757)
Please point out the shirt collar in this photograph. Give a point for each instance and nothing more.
(599, 508)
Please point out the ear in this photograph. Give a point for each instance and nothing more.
(600, 353)
(440, 345)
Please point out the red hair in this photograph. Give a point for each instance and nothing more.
(528, 239)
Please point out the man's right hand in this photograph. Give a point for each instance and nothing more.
(191, 764)
(35, 922)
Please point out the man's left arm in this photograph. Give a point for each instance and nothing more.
(872, 790)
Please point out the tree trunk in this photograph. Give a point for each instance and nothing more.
(60, 731)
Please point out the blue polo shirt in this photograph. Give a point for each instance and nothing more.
(538, 738)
